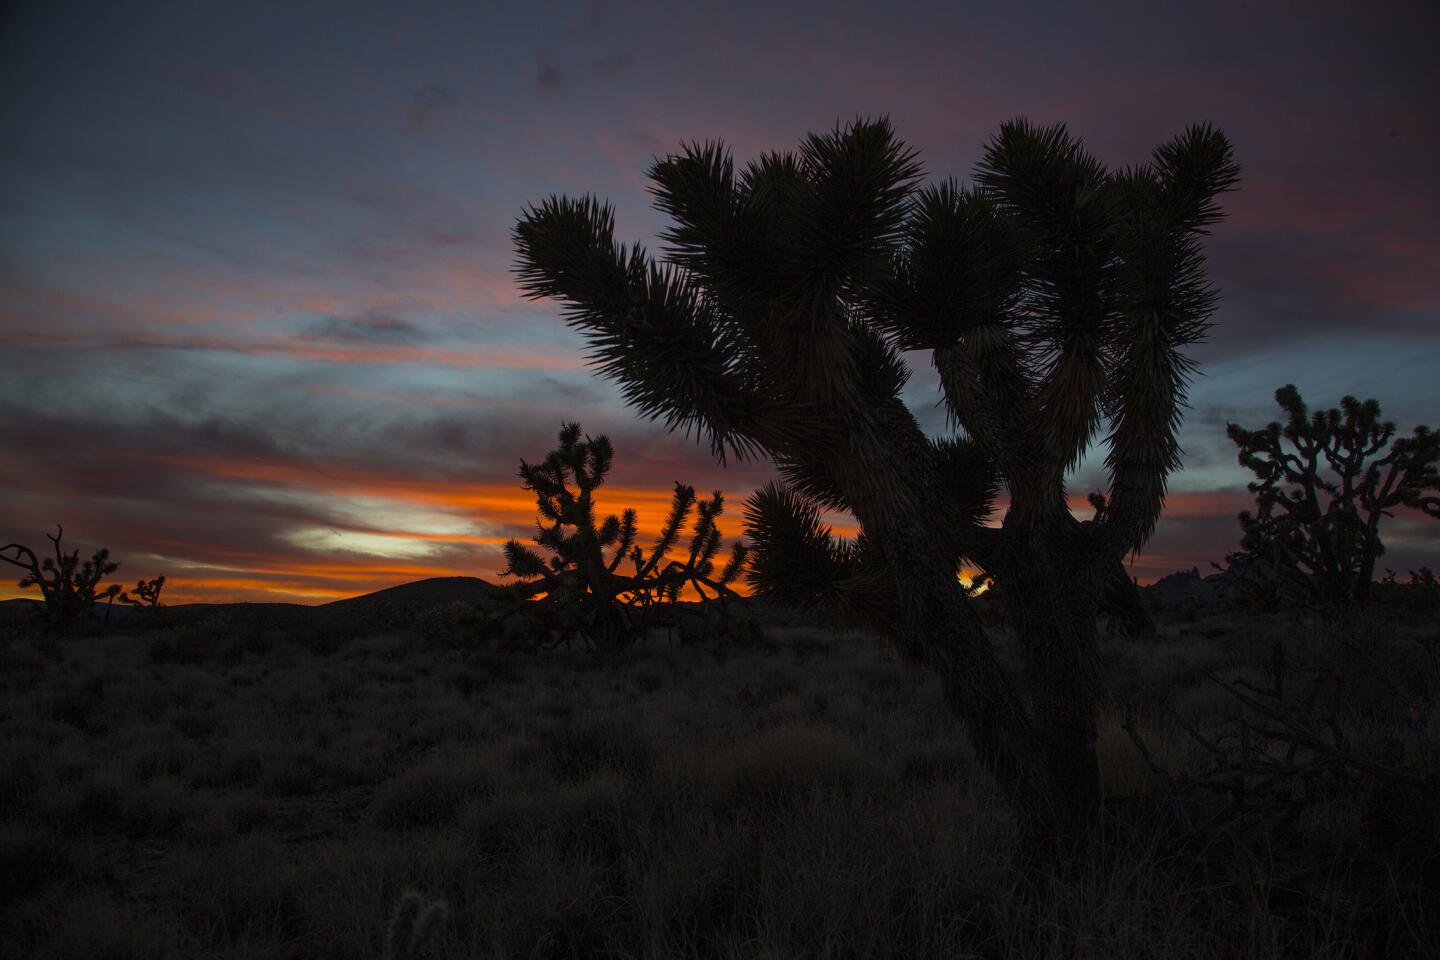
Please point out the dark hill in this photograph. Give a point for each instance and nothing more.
(422, 594)
(391, 607)
(412, 597)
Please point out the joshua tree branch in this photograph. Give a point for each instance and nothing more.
(31, 565)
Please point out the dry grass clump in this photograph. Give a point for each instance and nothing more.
(432, 792)
(778, 766)
(279, 799)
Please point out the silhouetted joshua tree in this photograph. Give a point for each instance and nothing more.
(147, 594)
(611, 601)
(1055, 297)
(146, 598)
(1324, 481)
(68, 587)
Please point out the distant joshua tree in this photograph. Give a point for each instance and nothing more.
(147, 594)
(1324, 481)
(146, 599)
(1054, 297)
(610, 601)
(69, 589)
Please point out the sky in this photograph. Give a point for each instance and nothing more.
(259, 330)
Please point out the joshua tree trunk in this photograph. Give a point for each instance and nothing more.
(983, 696)
(936, 619)
(1041, 753)
(609, 626)
(1123, 605)
(1052, 596)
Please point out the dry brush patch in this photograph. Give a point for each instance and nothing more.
(280, 799)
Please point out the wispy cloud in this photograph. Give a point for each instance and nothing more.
(373, 327)
(256, 298)
(351, 348)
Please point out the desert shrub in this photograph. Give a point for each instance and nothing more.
(175, 645)
(575, 751)
(467, 683)
(414, 926)
(193, 723)
(31, 857)
(454, 624)
(165, 807)
(19, 776)
(215, 638)
(97, 802)
(1323, 752)
(593, 819)
(781, 764)
(391, 615)
(104, 926)
(240, 767)
(292, 770)
(77, 705)
(323, 639)
(432, 793)
(649, 678)
(1419, 594)
(163, 758)
(935, 763)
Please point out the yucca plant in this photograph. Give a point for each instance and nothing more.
(146, 595)
(69, 589)
(1323, 483)
(1056, 299)
(611, 601)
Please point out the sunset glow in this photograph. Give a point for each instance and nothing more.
(261, 333)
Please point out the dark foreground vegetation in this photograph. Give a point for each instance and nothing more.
(223, 788)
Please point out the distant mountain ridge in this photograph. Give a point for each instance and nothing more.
(419, 595)
(391, 606)
(422, 593)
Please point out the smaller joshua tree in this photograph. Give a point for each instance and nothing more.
(609, 601)
(146, 595)
(1324, 481)
(146, 600)
(68, 587)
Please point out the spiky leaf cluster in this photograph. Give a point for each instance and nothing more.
(1324, 480)
(595, 576)
(797, 560)
(1056, 297)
